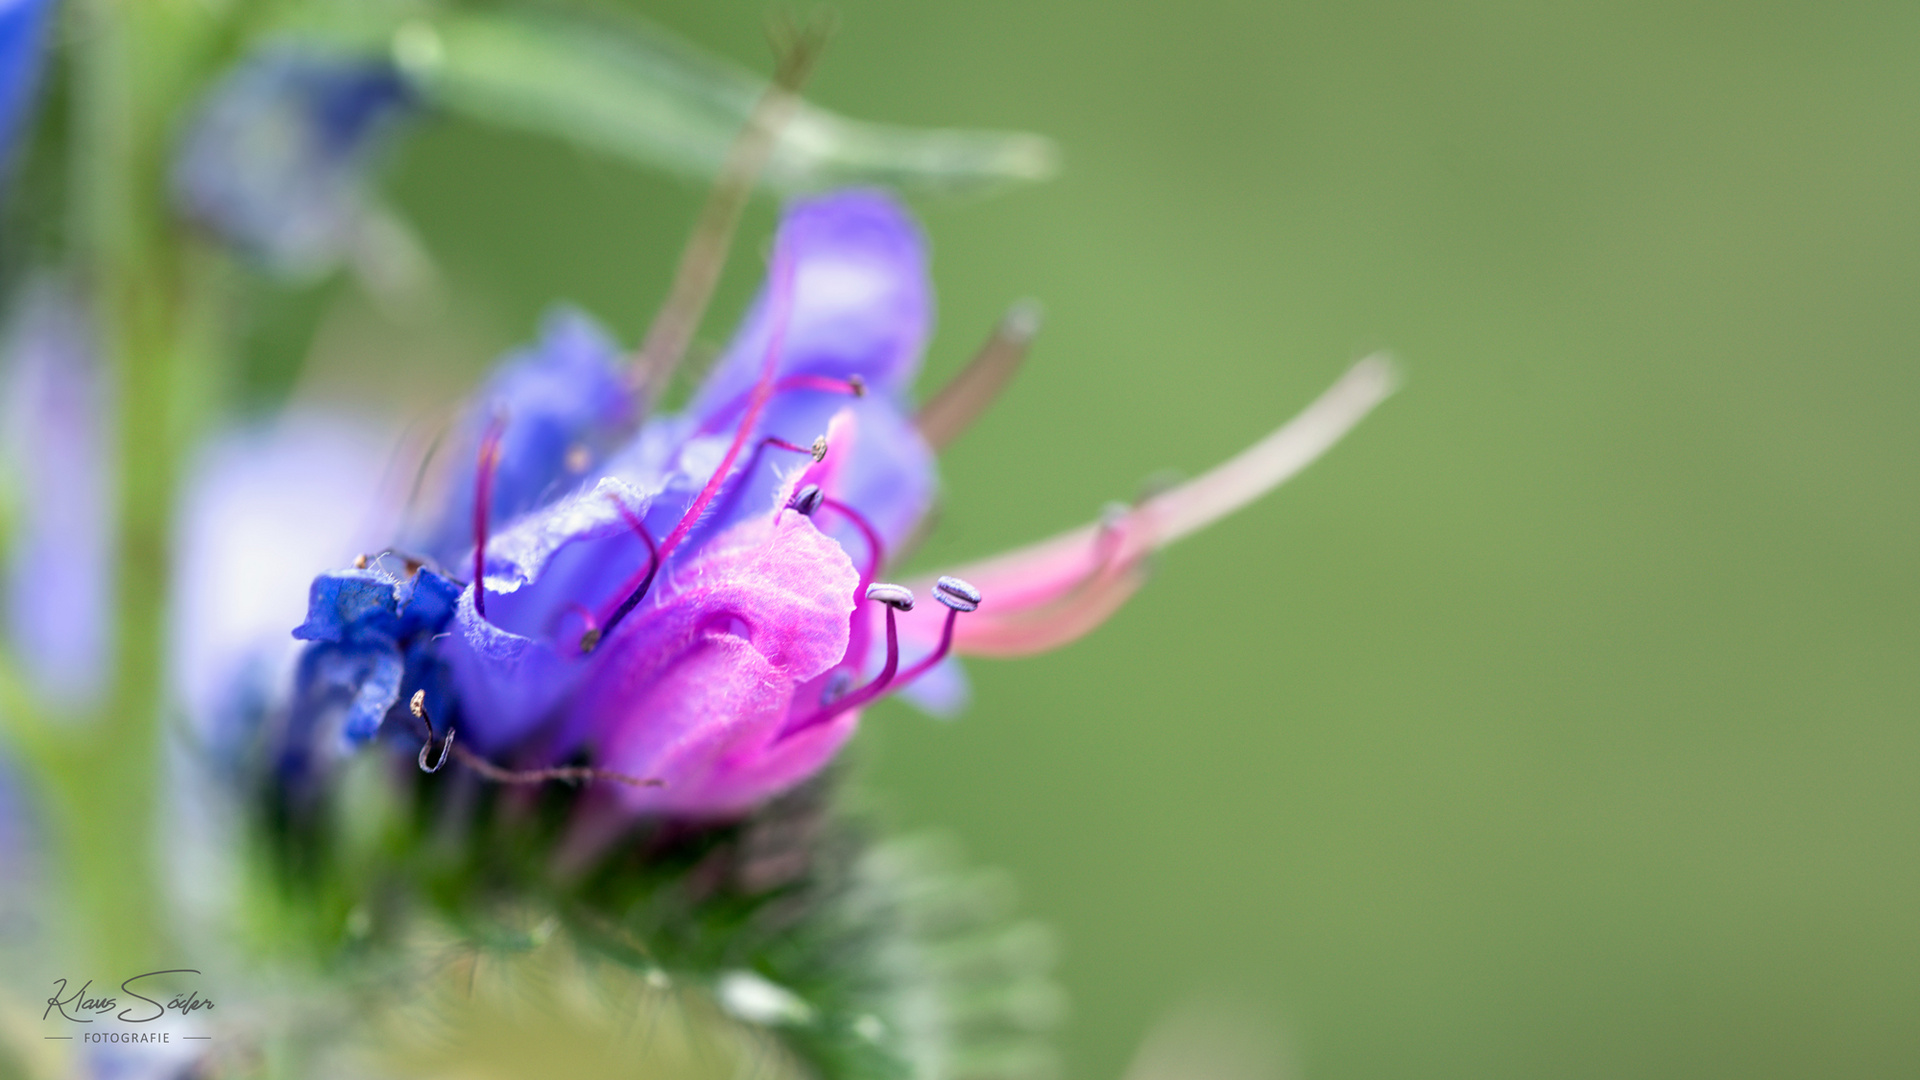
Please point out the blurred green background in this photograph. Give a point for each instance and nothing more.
(1563, 721)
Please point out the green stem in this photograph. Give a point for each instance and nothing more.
(136, 64)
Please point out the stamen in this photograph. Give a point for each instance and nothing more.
(578, 458)
(782, 310)
(572, 774)
(852, 386)
(410, 563)
(806, 500)
(836, 687)
(483, 506)
(876, 548)
(360, 562)
(818, 451)
(587, 618)
(594, 635)
(896, 598)
(958, 596)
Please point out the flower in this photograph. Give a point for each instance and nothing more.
(59, 573)
(265, 508)
(695, 611)
(274, 161)
(22, 23)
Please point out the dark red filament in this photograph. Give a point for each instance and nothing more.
(852, 386)
(863, 695)
(746, 474)
(635, 591)
(483, 505)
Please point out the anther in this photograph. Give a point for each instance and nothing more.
(956, 594)
(807, 499)
(897, 597)
(360, 562)
(858, 385)
(418, 705)
(819, 448)
(837, 686)
(578, 458)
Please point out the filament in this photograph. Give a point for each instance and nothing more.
(594, 635)
(782, 310)
(483, 505)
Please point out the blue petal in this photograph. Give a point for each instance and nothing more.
(22, 26)
(379, 689)
(426, 602)
(274, 161)
(861, 302)
(350, 605)
(341, 695)
(508, 684)
(563, 403)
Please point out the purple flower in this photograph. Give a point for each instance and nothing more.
(22, 28)
(275, 160)
(59, 573)
(695, 612)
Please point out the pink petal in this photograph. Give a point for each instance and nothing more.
(1049, 593)
(697, 691)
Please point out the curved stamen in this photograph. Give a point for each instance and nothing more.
(419, 707)
(483, 505)
(876, 548)
(809, 499)
(762, 390)
(635, 593)
(958, 596)
(896, 598)
(852, 386)
(572, 774)
(818, 450)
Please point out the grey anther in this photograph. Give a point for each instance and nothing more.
(898, 597)
(956, 594)
(819, 448)
(807, 499)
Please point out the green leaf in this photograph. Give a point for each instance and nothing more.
(628, 89)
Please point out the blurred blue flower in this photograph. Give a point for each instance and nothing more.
(22, 26)
(264, 508)
(275, 160)
(59, 573)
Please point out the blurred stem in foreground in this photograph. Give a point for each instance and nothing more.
(134, 64)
